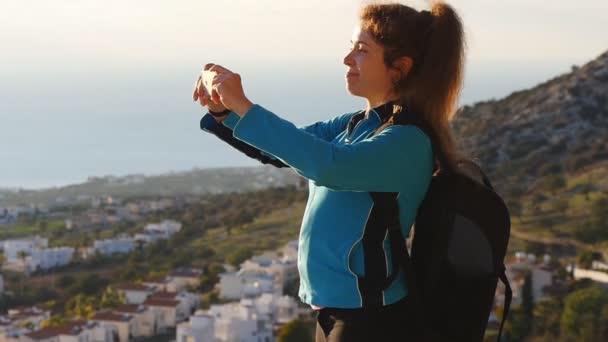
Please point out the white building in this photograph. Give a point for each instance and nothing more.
(200, 328)
(75, 331)
(47, 258)
(165, 312)
(149, 237)
(187, 302)
(158, 231)
(20, 321)
(278, 309)
(144, 323)
(6, 217)
(121, 325)
(165, 228)
(13, 247)
(240, 322)
(180, 278)
(247, 283)
(135, 293)
(111, 246)
(599, 265)
(540, 270)
(541, 273)
(600, 277)
(284, 272)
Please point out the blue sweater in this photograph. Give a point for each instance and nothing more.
(341, 173)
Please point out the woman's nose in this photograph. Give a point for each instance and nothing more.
(348, 60)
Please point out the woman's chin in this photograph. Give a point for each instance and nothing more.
(352, 90)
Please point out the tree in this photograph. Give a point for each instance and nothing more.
(111, 298)
(54, 321)
(22, 255)
(88, 284)
(237, 257)
(585, 258)
(81, 306)
(583, 313)
(2, 259)
(140, 245)
(519, 322)
(210, 277)
(295, 331)
(517, 325)
(546, 316)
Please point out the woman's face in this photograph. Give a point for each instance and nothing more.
(367, 75)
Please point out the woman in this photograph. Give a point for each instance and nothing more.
(405, 63)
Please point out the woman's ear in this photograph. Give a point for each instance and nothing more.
(403, 65)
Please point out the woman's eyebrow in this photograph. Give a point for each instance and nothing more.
(359, 42)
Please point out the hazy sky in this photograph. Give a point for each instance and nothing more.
(103, 87)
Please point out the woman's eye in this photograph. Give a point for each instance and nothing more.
(358, 48)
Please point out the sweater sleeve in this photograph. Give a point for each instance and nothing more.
(224, 133)
(326, 130)
(388, 162)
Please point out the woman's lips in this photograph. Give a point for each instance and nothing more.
(350, 74)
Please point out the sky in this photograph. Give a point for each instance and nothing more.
(92, 88)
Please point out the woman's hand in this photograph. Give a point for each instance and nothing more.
(226, 88)
(201, 95)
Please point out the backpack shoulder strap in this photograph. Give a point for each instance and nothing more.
(508, 297)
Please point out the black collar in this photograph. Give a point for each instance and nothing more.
(384, 111)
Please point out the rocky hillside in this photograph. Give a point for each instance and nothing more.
(559, 125)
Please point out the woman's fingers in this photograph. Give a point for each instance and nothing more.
(212, 77)
(215, 96)
(208, 66)
(209, 80)
(195, 91)
(219, 69)
(202, 94)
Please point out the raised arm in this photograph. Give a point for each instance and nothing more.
(399, 157)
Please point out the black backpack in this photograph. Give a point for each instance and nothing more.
(458, 246)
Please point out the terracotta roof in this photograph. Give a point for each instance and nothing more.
(130, 308)
(112, 316)
(161, 302)
(186, 272)
(73, 328)
(163, 295)
(156, 280)
(133, 287)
